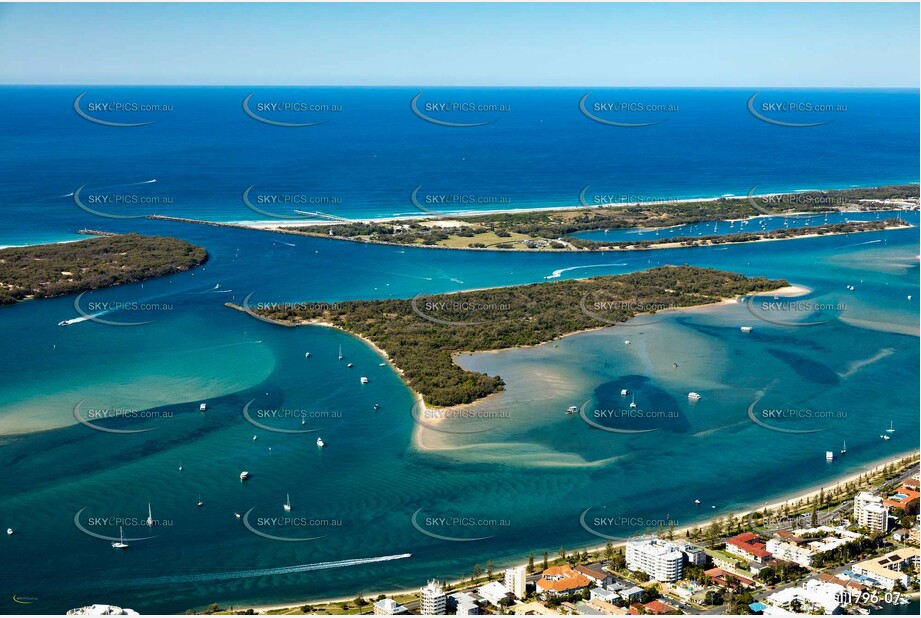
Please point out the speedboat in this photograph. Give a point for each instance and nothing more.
(255, 437)
(624, 392)
(627, 342)
(237, 515)
(696, 501)
(746, 329)
(244, 475)
(572, 409)
(350, 365)
(885, 437)
(306, 354)
(202, 407)
(364, 380)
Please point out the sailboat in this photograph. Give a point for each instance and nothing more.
(149, 515)
(180, 465)
(844, 448)
(633, 403)
(890, 430)
(200, 501)
(120, 543)
(340, 352)
(287, 505)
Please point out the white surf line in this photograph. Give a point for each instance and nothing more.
(231, 575)
(556, 274)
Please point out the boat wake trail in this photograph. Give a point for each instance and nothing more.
(229, 575)
(857, 244)
(557, 273)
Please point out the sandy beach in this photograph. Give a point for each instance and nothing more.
(773, 503)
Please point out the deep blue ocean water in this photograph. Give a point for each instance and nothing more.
(532, 476)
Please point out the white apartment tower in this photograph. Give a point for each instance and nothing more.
(870, 512)
(432, 599)
(515, 581)
(661, 560)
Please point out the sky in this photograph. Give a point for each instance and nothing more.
(643, 44)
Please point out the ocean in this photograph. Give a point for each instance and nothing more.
(534, 476)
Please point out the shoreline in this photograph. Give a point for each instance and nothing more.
(801, 495)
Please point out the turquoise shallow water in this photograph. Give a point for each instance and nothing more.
(524, 483)
(366, 494)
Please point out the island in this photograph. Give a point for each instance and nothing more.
(422, 335)
(44, 271)
(554, 229)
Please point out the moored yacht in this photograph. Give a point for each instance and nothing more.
(746, 329)
(844, 448)
(572, 409)
(287, 504)
(694, 396)
(320, 442)
(624, 392)
(244, 475)
(120, 543)
(364, 380)
(633, 403)
(202, 407)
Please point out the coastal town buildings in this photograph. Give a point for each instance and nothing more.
(464, 604)
(870, 512)
(802, 546)
(516, 581)
(493, 592)
(595, 574)
(102, 610)
(886, 570)
(561, 580)
(432, 599)
(388, 607)
(748, 546)
(813, 597)
(662, 560)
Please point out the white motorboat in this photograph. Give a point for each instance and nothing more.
(694, 396)
(244, 475)
(320, 442)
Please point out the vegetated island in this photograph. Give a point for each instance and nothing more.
(422, 335)
(553, 229)
(44, 271)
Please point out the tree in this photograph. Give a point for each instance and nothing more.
(814, 517)
(530, 563)
(561, 552)
(546, 562)
(609, 551)
(489, 569)
(477, 572)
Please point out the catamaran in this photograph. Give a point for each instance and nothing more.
(364, 380)
(287, 505)
(890, 430)
(120, 543)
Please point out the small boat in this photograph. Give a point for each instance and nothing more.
(303, 421)
(340, 353)
(350, 365)
(255, 438)
(844, 448)
(675, 365)
(306, 354)
(829, 455)
(885, 437)
(9, 531)
(572, 409)
(696, 501)
(746, 329)
(320, 442)
(694, 396)
(120, 543)
(202, 407)
(200, 501)
(624, 392)
(364, 380)
(244, 475)
(180, 466)
(63, 323)
(633, 403)
(385, 364)
(626, 342)
(287, 504)
(150, 521)
(237, 515)
(890, 430)
(377, 406)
